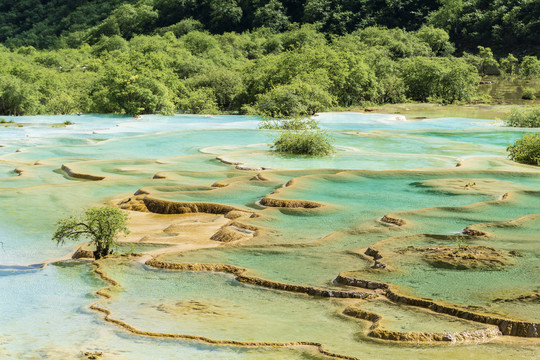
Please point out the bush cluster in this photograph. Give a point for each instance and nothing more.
(526, 150)
(528, 94)
(524, 117)
(306, 142)
(289, 124)
(295, 73)
(504, 24)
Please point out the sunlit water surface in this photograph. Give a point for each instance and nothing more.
(384, 164)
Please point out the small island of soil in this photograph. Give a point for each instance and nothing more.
(464, 258)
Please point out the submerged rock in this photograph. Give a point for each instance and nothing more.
(93, 355)
(466, 258)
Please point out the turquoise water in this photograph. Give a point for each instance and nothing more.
(383, 165)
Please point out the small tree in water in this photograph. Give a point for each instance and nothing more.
(101, 225)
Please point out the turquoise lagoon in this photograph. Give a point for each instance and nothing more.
(384, 165)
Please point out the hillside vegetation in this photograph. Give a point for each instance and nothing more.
(504, 25)
(275, 58)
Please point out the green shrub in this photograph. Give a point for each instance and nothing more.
(526, 150)
(307, 142)
(289, 124)
(527, 118)
(528, 94)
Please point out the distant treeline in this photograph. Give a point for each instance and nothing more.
(296, 72)
(504, 25)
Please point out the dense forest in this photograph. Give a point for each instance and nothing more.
(503, 25)
(270, 57)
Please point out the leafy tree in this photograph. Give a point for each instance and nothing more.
(296, 99)
(121, 91)
(225, 15)
(304, 36)
(439, 79)
(199, 43)
(100, 225)
(352, 80)
(437, 39)
(508, 65)
(225, 85)
(184, 27)
(400, 43)
(272, 15)
(488, 65)
(447, 16)
(199, 101)
(110, 44)
(530, 67)
(62, 103)
(17, 97)
(42, 23)
(126, 21)
(173, 11)
(502, 25)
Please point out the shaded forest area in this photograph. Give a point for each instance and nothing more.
(503, 25)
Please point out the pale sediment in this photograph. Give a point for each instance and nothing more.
(506, 326)
(453, 337)
(195, 267)
(376, 331)
(247, 279)
(232, 232)
(82, 253)
(240, 165)
(292, 204)
(466, 258)
(235, 214)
